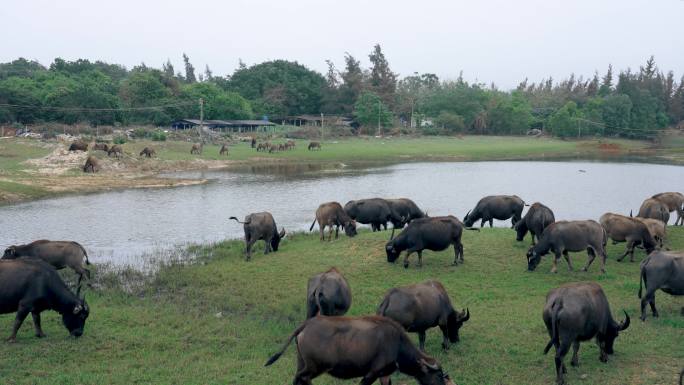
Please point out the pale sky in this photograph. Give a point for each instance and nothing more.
(502, 41)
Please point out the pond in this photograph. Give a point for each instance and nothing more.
(121, 227)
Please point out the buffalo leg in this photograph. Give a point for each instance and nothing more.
(482, 223)
(337, 231)
(592, 256)
(267, 247)
(420, 258)
(385, 380)
(406, 258)
(567, 259)
(321, 230)
(36, 324)
(650, 299)
(561, 351)
(445, 338)
(556, 258)
(575, 358)
(18, 320)
(629, 250)
(421, 340)
(491, 223)
(330, 231)
(653, 307)
(248, 248)
(455, 254)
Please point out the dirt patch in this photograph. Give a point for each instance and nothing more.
(58, 162)
(609, 147)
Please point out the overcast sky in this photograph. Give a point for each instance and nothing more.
(501, 41)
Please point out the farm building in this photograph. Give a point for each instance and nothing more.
(316, 120)
(224, 125)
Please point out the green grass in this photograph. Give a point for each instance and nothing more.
(169, 332)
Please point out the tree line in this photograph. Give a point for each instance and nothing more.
(629, 103)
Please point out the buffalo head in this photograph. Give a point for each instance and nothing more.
(520, 230)
(275, 241)
(454, 322)
(533, 259)
(10, 253)
(74, 320)
(607, 340)
(350, 228)
(467, 220)
(431, 373)
(392, 252)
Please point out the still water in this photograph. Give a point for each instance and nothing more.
(119, 227)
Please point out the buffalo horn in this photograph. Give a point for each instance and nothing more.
(466, 315)
(432, 366)
(624, 324)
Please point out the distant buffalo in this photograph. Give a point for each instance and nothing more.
(101, 147)
(196, 149)
(314, 146)
(577, 312)
(116, 150)
(351, 347)
(78, 146)
(331, 214)
(404, 211)
(658, 229)
(564, 236)
(664, 271)
(31, 286)
(535, 221)
(655, 209)
(92, 164)
(620, 228)
(492, 207)
(674, 202)
(374, 211)
(423, 306)
(328, 294)
(261, 226)
(148, 152)
(224, 149)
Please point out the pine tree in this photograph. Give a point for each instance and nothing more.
(382, 80)
(168, 68)
(607, 82)
(189, 70)
(352, 83)
(208, 75)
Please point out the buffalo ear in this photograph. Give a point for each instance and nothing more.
(426, 364)
(282, 233)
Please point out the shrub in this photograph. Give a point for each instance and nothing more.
(159, 136)
(120, 139)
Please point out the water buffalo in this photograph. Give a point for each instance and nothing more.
(658, 229)
(327, 294)
(493, 207)
(664, 271)
(314, 146)
(196, 149)
(620, 228)
(253, 142)
(375, 211)
(653, 208)
(674, 202)
(261, 226)
(564, 236)
(423, 306)
(291, 144)
(30, 285)
(116, 150)
(224, 149)
(404, 211)
(577, 312)
(535, 221)
(92, 164)
(371, 347)
(59, 254)
(433, 233)
(101, 147)
(263, 147)
(332, 214)
(148, 152)
(78, 146)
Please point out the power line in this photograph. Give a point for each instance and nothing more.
(617, 128)
(83, 109)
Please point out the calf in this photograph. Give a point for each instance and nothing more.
(423, 306)
(332, 214)
(261, 226)
(535, 221)
(664, 271)
(327, 294)
(579, 312)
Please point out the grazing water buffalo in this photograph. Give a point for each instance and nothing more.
(404, 211)
(370, 347)
(32, 286)
(375, 211)
(332, 214)
(263, 147)
(674, 202)
(433, 233)
(620, 228)
(664, 271)
(653, 208)
(327, 294)
(224, 149)
(291, 144)
(78, 146)
(101, 147)
(116, 150)
(197, 148)
(577, 312)
(314, 146)
(59, 254)
(261, 226)
(423, 306)
(535, 221)
(493, 207)
(564, 236)
(148, 152)
(658, 229)
(92, 164)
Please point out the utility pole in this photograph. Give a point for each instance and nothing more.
(201, 126)
(379, 129)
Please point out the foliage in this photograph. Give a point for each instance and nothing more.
(369, 110)
(120, 139)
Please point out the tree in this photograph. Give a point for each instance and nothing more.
(189, 70)
(616, 112)
(167, 68)
(369, 110)
(383, 81)
(352, 84)
(607, 83)
(218, 103)
(563, 122)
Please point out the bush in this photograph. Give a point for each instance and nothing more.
(120, 139)
(159, 136)
(140, 133)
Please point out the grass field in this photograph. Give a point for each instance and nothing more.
(217, 320)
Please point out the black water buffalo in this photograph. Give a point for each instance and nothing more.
(327, 294)
(620, 228)
(29, 285)
(371, 347)
(577, 312)
(59, 254)
(433, 233)
(664, 271)
(404, 211)
(493, 207)
(261, 226)
(535, 221)
(674, 202)
(224, 149)
(564, 236)
(314, 146)
(332, 214)
(148, 152)
(92, 164)
(116, 150)
(653, 208)
(78, 146)
(375, 211)
(423, 306)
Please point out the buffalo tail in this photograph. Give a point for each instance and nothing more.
(473, 228)
(294, 334)
(383, 306)
(555, 308)
(84, 253)
(237, 220)
(312, 224)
